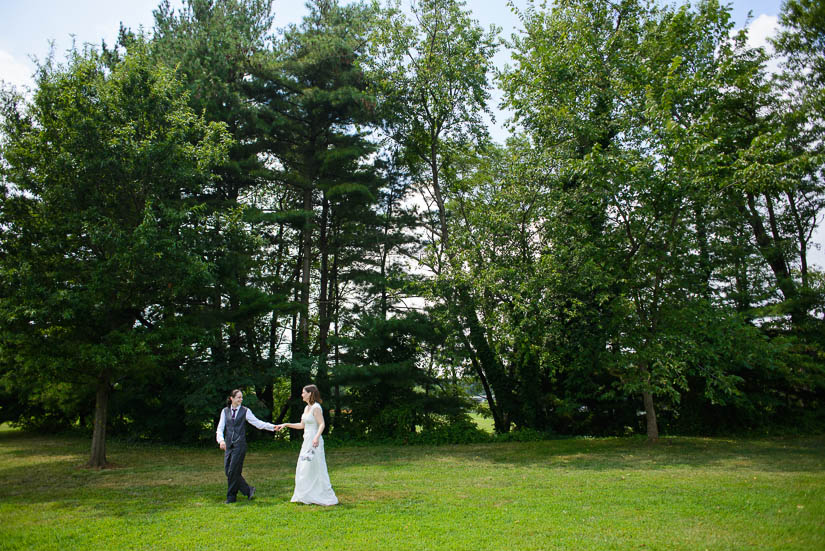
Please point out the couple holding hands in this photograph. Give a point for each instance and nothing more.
(312, 483)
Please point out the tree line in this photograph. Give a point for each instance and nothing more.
(216, 205)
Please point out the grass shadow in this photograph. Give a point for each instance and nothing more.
(793, 454)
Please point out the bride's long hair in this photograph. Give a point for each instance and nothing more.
(314, 394)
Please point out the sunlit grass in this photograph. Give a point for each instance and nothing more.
(484, 423)
(593, 494)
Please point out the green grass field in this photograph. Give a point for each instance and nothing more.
(484, 423)
(588, 494)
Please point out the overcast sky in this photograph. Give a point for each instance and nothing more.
(28, 26)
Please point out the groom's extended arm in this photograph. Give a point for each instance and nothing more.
(257, 423)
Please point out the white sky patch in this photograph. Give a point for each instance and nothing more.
(762, 28)
(13, 71)
(759, 31)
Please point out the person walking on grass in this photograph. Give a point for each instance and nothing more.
(231, 436)
(312, 485)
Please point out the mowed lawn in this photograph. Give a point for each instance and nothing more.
(588, 494)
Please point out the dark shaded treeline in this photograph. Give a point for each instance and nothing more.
(217, 206)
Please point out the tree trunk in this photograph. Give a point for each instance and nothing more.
(306, 264)
(500, 382)
(498, 419)
(324, 319)
(217, 349)
(484, 359)
(772, 253)
(336, 314)
(98, 456)
(802, 237)
(300, 343)
(439, 198)
(705, 269)
(650, 413)
(269, 388)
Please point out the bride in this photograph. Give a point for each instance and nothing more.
(312, 483)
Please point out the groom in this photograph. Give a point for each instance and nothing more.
(231, 436)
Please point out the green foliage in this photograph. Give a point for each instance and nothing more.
(225, 206)
(100, 230)
(454, 431)
(214, 47)
(390, 392)
(624, 232)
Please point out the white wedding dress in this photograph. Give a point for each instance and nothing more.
(312, 483)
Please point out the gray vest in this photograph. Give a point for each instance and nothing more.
(234, 430)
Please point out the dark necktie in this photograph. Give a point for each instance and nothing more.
(233, 414)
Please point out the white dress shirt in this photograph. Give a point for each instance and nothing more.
(250, 418)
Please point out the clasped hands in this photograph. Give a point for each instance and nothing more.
(315, 441)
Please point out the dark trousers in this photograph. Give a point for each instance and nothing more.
(233, 465)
